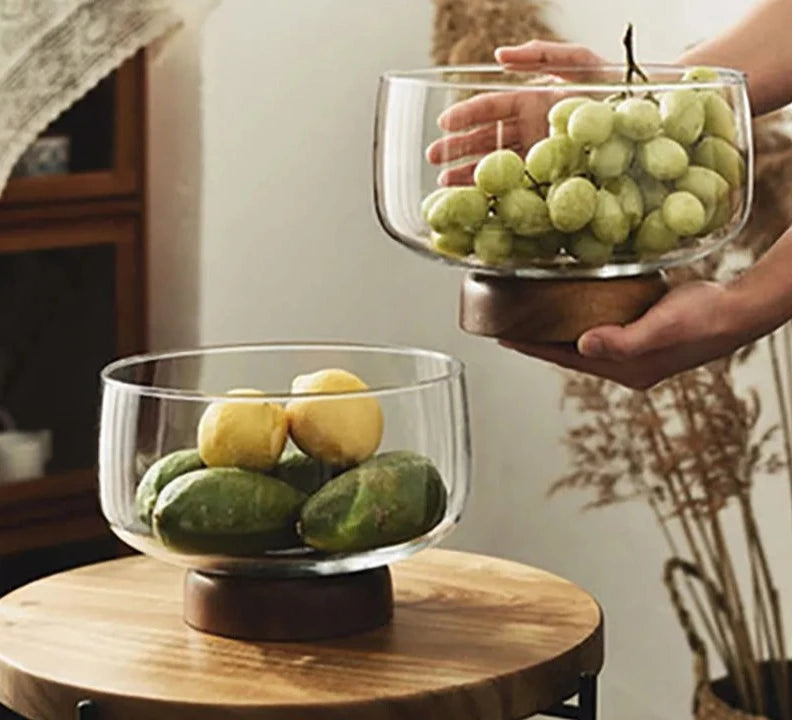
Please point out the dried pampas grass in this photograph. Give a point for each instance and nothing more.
(693, 445)
(468, 31)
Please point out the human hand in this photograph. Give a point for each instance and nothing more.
(513, 119)
(694, 323)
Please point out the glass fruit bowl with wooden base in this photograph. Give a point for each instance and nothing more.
(563, 193)
(284, 477)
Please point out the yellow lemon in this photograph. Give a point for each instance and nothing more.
(248, 435)
(339, 432)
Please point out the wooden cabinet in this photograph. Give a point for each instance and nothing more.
(106, 131)
(72, 270)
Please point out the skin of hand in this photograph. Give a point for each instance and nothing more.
(758, 45)
(686, 328)
(698, 321)
(510, 119)
(693, 324)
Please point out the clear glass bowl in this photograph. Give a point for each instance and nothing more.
(485, 108)
(152, 406)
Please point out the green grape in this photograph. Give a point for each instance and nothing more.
(705, 184)
(653, 192)
(586, 248)
(550, 244)
(580, 162)
(558, 117)
(629, 196)
(438, 215)
(529, 250)
(430, 200)
(611, 158)
(683, 115)
(701, 74)
(551, 191)
(662, 158)
(524, 212)
(718, 117)
(544, 247)
(637, 119)
(499, 172)
(538, 248)
(654, 237)
(609, 224)
(716, 154)
(552, 158)
(525, 249)
(572, 204)
(459, 207)
(684, 213)
(718, 215)
(454, 242)
(493, 243)
(591, 123)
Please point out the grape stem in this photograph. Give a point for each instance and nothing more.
(632, 67)
(536, 184)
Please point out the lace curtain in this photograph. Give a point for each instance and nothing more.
(54, 51)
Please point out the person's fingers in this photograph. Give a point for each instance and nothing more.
(650, 333)
(475, 142)
(561, 75)
(681, 316)
(690, 326)
(544, 52)
(564, 355)
(463, 174)
(638, 376)
(459, 175)
(564, 59)
(491, 106)
(484, 108)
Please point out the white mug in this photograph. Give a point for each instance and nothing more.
(24, 455)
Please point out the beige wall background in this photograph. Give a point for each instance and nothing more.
(262, 228)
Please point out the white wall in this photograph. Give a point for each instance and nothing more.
(284, 244)
(175, 175)
(662, 29)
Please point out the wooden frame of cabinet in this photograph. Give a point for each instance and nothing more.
(124, 179)
(104, 207)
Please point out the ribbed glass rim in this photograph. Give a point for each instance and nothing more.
(430, 77)
(454, 369)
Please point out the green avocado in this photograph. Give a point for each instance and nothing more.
(391, 498)
(160, 474)
(227, 511)
(304, 472)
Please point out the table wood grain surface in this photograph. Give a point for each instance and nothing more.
(473, 638)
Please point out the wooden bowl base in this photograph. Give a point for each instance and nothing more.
(288, 609)
(552, 311)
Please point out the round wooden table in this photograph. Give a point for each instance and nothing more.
(473, 638)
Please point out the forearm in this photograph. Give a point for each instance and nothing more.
(760, 300)
(759, 46)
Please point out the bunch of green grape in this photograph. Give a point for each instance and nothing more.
(629, 177)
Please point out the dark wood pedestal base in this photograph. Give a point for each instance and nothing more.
(552, 311)
(288, 609)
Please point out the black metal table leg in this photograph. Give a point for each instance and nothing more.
(86, 710)
(587, 700)
(586, 708)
